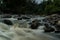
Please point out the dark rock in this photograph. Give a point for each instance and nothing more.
(34, 25)
(19, 18)
(57, 31)
(57, 26)
(8, 22)
(54, 20)
(48, 29)
(25, 18)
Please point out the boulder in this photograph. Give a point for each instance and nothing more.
(47, 28)
(8, 22)
(35, 24)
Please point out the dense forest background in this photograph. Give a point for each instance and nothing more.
(29, 7)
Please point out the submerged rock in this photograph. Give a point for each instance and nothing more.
(4, 27)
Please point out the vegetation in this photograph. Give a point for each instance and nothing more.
(30, 7)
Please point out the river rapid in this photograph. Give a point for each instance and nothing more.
(22, 31)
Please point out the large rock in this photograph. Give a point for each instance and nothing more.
(48, 28)
(8, 22)
(35, 24)
(55, 21)
(58, 26)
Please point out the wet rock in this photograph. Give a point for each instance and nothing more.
(57, 26)
(48, 29)
(8, 22)
(25, 17)
(19, 18)
(54, 20)
(57, 31)
(35, 24)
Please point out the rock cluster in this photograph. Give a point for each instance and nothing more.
(54, 20)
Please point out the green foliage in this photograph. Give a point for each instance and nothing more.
(31, 7)
(51, 7)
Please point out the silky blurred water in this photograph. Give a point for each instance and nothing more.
(21, 31)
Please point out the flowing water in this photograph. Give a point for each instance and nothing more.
(22, 31)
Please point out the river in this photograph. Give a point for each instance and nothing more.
(11, 33)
